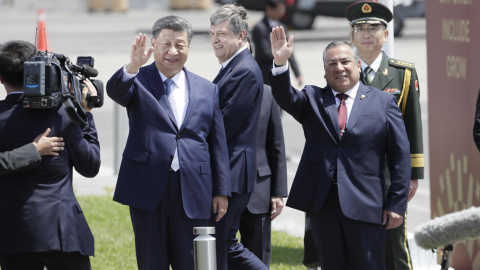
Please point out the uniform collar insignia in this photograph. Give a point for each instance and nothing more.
(385, 73)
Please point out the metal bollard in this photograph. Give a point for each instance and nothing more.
(204, 251)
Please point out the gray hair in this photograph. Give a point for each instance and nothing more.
(339, 43)
(174, 23)
(238, 16)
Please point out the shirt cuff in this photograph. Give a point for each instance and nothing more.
(279, 70)
(127, 76)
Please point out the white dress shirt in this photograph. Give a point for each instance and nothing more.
(272, 23)
(375, 66)
(279, 70)
(230, 59)
(352, 93)
(181, 96)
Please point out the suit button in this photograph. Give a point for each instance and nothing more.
(171, 157)
(341, 169)
(340, 148)
(178, 136)
(332, 167)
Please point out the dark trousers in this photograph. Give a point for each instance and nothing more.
(38, 260)
(164, 236)
(230, 253)
(344, 243)
(256, 232)
(397, 253)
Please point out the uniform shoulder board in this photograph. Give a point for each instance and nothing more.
(398, 63)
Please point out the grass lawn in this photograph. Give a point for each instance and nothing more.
(115, 246)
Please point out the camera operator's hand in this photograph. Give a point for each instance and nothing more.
(48, 145)
(139, 55)
(93, 92)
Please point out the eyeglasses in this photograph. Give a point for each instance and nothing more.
(371, 30)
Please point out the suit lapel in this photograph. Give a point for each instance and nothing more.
(331, 107)
(231, 65)
(222, 73)
(265, 21)
(361, 101)
(382, 78)
(158, 89)
(194, 93)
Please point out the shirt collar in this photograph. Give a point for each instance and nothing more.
(178, 79)
(375, 65)
(12, 93)
(352, 93)
(272, 23)
(230, 59)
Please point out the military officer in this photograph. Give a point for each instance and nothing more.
(368, 22)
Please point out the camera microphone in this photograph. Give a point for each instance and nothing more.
(87, 71)
(449, 229)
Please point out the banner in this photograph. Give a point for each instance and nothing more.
(453, 55)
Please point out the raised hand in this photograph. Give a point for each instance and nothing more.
(139, 54)
(281, 49)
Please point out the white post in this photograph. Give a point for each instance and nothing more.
(204, 249)
(388, 47)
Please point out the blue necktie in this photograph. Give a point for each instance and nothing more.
(168, 83)
(171, 99)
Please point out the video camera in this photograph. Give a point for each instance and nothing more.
(50, 79)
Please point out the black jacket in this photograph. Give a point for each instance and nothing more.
(271, 161)
(38, 209)
(19, 160)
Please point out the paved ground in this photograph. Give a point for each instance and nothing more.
(107, 37)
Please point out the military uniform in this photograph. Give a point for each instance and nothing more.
(400, 79)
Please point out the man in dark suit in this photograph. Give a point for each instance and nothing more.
(241, 89)
(274, 11)
(29, 156)
(350, 131)
(175, 164)
(42, 223)
(266, 202)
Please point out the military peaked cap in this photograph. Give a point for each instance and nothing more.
(368, 12)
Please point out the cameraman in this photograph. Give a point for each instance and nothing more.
(29, 156)
(41, 222)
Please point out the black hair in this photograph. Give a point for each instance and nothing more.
(175, 23)
(274, 3)
(12, 56)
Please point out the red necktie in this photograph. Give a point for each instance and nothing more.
(342, 113)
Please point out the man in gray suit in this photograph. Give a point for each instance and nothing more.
(29, 156)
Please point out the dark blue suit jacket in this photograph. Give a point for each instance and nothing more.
(375, 130)
(271, 161)
(154, 135)
(38, 209)
(240, 85)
